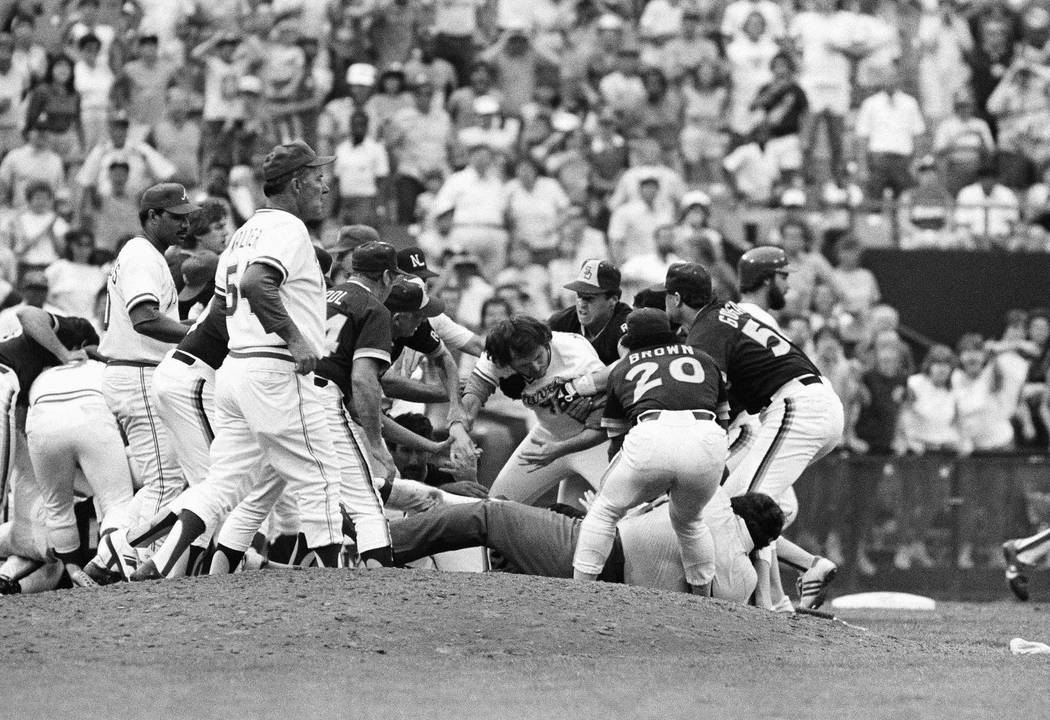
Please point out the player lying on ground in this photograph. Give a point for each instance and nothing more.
(537, 541)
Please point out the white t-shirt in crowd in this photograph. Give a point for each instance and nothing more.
(358, 168)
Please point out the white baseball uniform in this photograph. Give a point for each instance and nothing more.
(261, 405)
(68, 426)
(140, 274)
(571, 356)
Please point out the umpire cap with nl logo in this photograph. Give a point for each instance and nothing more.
(412, 260)
(596, 276)
(288, 158)
(170, 197)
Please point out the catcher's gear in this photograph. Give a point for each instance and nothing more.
(758, 264)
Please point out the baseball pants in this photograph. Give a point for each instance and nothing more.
(9, 436)
(184, 392)
(63, 436)
(127, 392)
(25, 534)
(262, 407)
(525, 483)
(742, 433)
(676, 453)
(802, 424)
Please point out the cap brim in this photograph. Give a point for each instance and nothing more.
(422, 274)
(321, 160)
(579, 286)
(658, 288)
(183, 209)
(191, 291)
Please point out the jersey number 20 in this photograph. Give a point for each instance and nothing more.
(683, 369)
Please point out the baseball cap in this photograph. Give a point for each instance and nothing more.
(167, 196)
(352, 237)
(288, 158)
(361, 74)
(198, 271)
(696, 198)
(473, 137)
(689, 278)
(486, 105)
(374, 257)
(645, 322)
(412, 260)
(610, 21)
(927, 162)
(596, 276)
(35, 279)
(409, 294)
(119, 117)
(324, 259)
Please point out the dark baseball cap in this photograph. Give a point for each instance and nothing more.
(288, 158)
(352, 237)
(413, 260)
(167, 196)
(409, 294)
(688, 278)
(374, 257)
(76, 332)
(645, 322)
(198, 272)
(595, 276)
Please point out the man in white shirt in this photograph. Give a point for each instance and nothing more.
(632, 227)
(477, 198)
(361, 170)
(32, 162)
(14, 81)
(889, 123)
(142, 324)
(737, 12)
(988, 210)
(418, 137)
(145, 165)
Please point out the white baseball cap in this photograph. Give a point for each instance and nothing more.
(695, 197)
(361, 74)
(486, 105)
(610, 21)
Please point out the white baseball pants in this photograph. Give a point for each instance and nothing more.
(802, 423)
(128, 394)
(676, 453)
(262, 407)
(525, 483)
(9, 435)
(185, 397)
(63, 436)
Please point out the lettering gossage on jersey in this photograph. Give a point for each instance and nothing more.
(767, 337)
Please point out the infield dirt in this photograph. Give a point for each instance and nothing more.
(418, 644)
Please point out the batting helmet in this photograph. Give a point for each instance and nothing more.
(757, 264)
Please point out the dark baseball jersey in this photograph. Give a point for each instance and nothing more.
(423, 340)
(605, 341)
(28, 358)
(756, 359)
(666, 377)
(358, 327)
(208, 340)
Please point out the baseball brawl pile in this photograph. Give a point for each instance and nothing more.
(253, 440)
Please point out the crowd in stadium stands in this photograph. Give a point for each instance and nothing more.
(513, 139)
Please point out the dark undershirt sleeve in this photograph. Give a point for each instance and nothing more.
(260, 286)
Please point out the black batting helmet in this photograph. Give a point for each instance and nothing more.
(757, 264)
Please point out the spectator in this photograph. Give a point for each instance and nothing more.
(931, 419)
(116, 214)
(146, 166)
(660, 115)
(461, 102)
(984, 409)
(889, 124)
(749, 56)
(27, 164)
(987, 210)
(1020, 105)
(177, 137)
(577, 241)
(455, 24)
(535, 207)
(14, 83)
(739, 12)
(360, 175)
(925, 210)
(477, 198)
(963, 143)
(417, 139)
(856, 285)
(622, 89)
(519, 66)
(391, 97)
(686, 50)
(334, 123)
(632, 226)
(808, 267)
(224, 112)
(422, 61)
(209, 229)
(93, 80)
(141, 88)
(54, 108)
(703, 139)
(781, 104)
(944, 41)
(35, 232)
(75, 280)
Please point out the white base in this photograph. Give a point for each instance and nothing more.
(883, 601)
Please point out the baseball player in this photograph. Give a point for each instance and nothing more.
(266, 402)
(141, 326)
(30, 564)
(1020, 555)
(665, 397)
(538, 541)
(598, 314)
(801, 416)
(523, 351)
(69, 426)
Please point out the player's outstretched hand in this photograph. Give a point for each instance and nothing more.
(304, 356)
(466, 488)
(540, 454)
(385, 462)
(463, 468)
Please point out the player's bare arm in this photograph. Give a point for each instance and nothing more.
(402, 436)
(475, 395)
(37, 324)
(148, 320)
(365, 405)
(462, 444)
(399, 387)
(542, 454)
(260, 287)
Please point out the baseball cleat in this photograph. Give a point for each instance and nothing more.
(784, 606)
(117, 555)
(100, 575)
(813, 584)
(79, 578)
(1016, 580)
(146, 571)
(9, 587)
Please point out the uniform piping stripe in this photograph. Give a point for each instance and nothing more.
(6, 459)
(66, 396)
(741, 438)
(310, 450)
(156, 440)
(364, 463)
(198, 404)
(774, 447)
(140, 298)
(272, 262)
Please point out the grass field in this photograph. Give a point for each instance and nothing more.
(415, 644)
